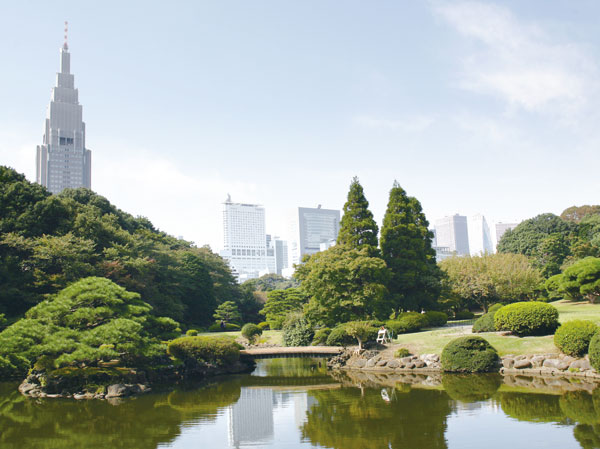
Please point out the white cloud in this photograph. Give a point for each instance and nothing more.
(520, 62)
(410, 124)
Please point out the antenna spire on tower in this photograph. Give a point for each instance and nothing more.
(66, 45)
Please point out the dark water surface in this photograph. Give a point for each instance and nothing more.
(295, 403)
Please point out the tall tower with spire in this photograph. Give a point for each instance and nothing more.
(62, 160)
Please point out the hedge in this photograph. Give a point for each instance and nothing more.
(436, 319)
(407, 322)
(470, 354)
(527, 318)
(463, 315)
(263, 325)
(485, 323)
(218, 351)
(573, 337)
(594, 352)
(228, 327)
(321, 336)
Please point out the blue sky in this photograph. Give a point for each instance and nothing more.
(473, 106)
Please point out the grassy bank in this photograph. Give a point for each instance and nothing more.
(267, 337)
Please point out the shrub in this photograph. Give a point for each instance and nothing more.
(228, 327)
(494, 308)
(594, 352)
(402, 352)
(191, 332)
(436, 319)
(484, 323)
(361, 330)
(471, 387)
(339, 337)
(321, 335)
(527, 318)
(470, 354)
(297, 331)
(407, 322)
(250, 332)
(276, 323)
(263, 325)
(463, 315)
(573, 337)
(218, 351)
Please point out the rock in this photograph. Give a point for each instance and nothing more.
(520, 357)
(420, 364)
(410, 365)
(507, 362)
(537, 361)
(371, 363)
(564, 365)
(26, 387)
(406, 360)
(522, 363)
(580, 365)
(122, 390)
(552, 363)
(360, 363)
(393, 364)
(382, 363)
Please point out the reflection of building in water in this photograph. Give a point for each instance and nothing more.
(302, 404)
(251, 418)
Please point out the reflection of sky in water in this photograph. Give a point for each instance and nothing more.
(483, 425)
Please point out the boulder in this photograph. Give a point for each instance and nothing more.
(122, 390)
(507, 362)
(580, 365)
(552, 363)
(382, 363)
(522, 363)
(393, 364)
(360, 363)
(420, 364)
(537, 361)
(406, 360)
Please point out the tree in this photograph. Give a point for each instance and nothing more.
(577, 213)
(280, 303)
(492, 278)
(550, 253)
(269, 282)
(580, 280)
(90, 321)
(359, 330)
(406, 249)
(228, 312)
(357, 227)
(345, 284)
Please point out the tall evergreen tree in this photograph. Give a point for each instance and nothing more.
(357, 227)
(407, 251)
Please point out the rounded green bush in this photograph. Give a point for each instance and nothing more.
(402, 352)
(594, 352)
(527, 318)
(191, 332)
(407, 323)
(484, 323)
(263, 325)
(494, 308)
(250, 332)
(573, 337)
(436, 319)
(469, 354)
(321, 336)
(339, 337)
(297, 331)
(217, 351)
(463, 315)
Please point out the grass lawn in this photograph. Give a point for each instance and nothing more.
(432, 342)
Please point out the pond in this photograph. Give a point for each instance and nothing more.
(296, 403)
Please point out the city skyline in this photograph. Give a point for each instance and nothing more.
(287, 111)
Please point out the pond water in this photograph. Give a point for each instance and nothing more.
(295, 403)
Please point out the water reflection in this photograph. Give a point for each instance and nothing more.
(296, 403)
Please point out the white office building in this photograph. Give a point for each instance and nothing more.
(312, 227)
(245, 240)
(62, 161)
(480, 238)
(501, 229)
(452, 233)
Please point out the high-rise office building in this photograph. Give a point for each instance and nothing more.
(62, 160)
(501, 229)
(312, 227)
(245, 240)
(452, 233)
(480, 239)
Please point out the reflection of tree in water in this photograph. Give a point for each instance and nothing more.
(293, 367)
(142, 422)
(348, 419)
(587, 436)
(471, 387)
(532, 407)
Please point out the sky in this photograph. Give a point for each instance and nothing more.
(472, 106)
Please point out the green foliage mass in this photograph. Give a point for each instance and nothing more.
(527, 318)
(436, 319)
(345, 284)
(469, 355)
(90, 321)
(339, 337)
(402, 352)
(321, 336)
(281, 303)
(471, 387)
(484, 280)
(573, 337)
(532, 407)
(250, 332)
(49, 241)
(297, 331)
(228, 312)
(216, 351)
(357, 227)
(594, 352)
(407, 251)
(361, 330)
(407, 322)
(578, 281)
(486, 323)
(270, 282)
(191, 332)
(463, 315)
(227, 327)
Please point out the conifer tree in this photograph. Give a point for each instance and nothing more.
(407, 251)
(357, 227)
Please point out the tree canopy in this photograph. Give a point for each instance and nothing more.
(357, 226)
(578, 281)
(407, 251)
